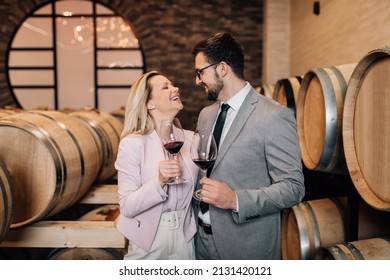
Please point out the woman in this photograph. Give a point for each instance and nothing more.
(157, 219)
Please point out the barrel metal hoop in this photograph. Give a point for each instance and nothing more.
(4, 174)
(3, 195)
(117, 133)
(316, 230)
(340, 78)
(289, 94)
(108, 151)
(355, 252)
(303, 233)
(338, 161)
(331, 120)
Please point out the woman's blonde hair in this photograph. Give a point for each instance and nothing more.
(137, 118)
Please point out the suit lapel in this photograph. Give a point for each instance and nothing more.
(209, 117)
(243, 114)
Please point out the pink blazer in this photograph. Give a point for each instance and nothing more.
(140, 194)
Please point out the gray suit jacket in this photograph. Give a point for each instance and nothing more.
(260, 159)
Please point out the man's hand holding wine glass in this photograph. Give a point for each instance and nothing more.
(218, 194)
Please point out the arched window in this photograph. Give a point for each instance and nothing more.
(73, 54)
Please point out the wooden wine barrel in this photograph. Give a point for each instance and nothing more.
(287, 90)
(107, 129)
(2, 114)
(119, 114)
(320, 116)
(85, 254)
(310, 224)
(313, 224)
(267, 90)
(85, 143)
(9, 111)
(366, 129)
(368, 249)
(52, 160)
(6, 201)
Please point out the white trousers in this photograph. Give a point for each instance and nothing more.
(169, 243)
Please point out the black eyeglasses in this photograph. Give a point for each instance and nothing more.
(199, 72)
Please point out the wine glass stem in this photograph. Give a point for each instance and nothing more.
(203, 173)
(177, 178)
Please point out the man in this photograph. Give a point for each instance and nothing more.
(258, 170)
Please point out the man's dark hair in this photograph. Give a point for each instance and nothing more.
(222, 47)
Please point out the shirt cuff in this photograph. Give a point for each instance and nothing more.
(238, 208)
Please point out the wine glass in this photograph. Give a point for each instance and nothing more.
(203, 153)
(172, 136)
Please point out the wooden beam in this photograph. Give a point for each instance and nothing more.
(66, 234)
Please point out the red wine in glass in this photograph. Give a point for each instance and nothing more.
(203, 153)
(172, 136)
(173, 147)
(204, 164)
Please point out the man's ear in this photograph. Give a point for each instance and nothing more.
(224, 69)
(150, 105)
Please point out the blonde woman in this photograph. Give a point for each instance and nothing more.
(157, 219)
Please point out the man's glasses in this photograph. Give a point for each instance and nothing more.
(199, 72)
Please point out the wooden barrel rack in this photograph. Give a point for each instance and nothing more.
(57, 234)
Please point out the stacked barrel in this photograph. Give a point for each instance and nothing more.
(50, 159)
(6, 201)
(343, 125)
(286, 91)
(266, 90)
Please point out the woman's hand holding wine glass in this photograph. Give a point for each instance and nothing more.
(203, 153)
(172, 136)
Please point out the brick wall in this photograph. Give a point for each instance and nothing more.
(167, 29)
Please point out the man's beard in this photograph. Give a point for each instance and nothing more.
(214, 91)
